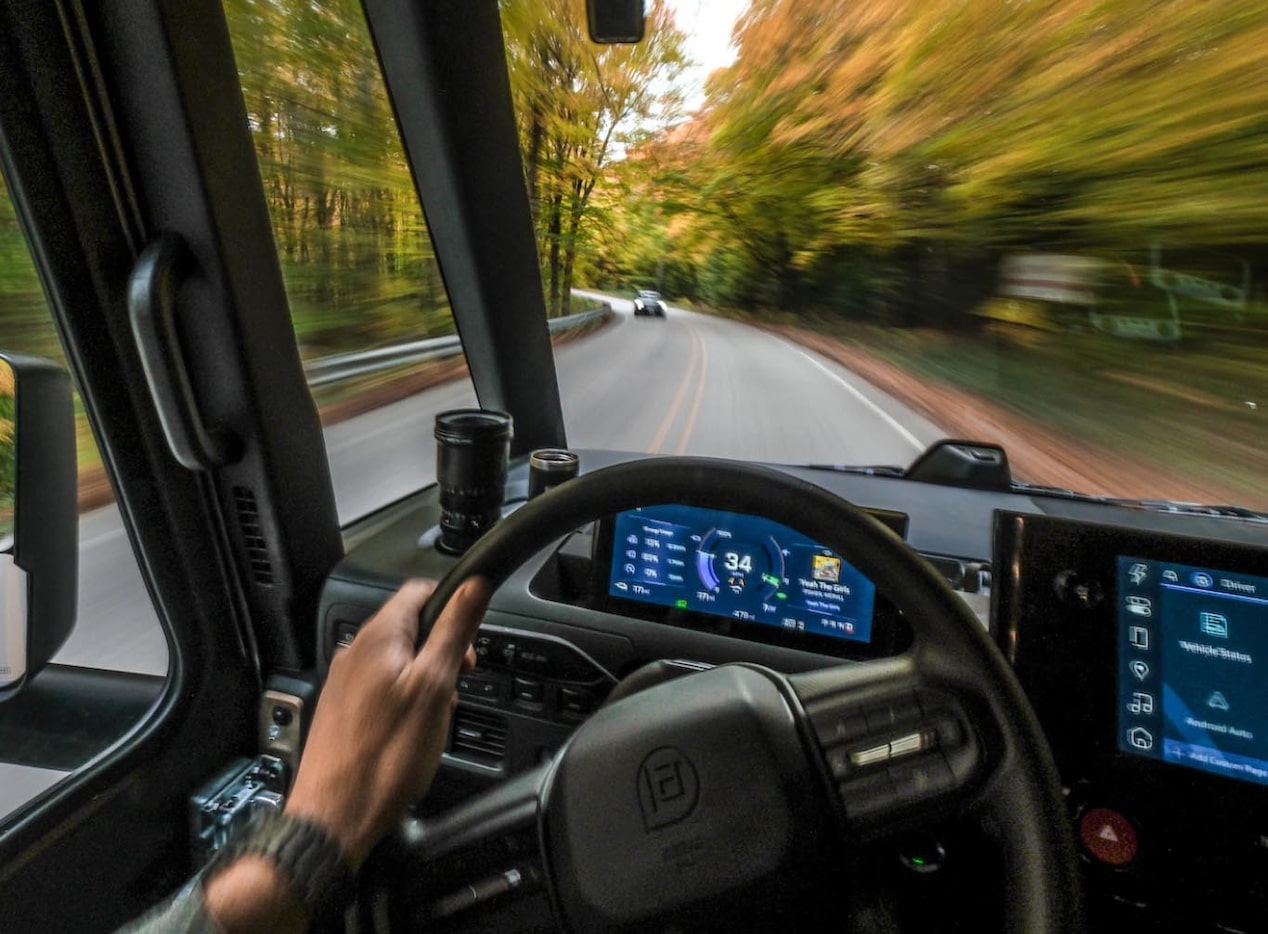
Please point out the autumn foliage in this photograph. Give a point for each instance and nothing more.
(878, 158)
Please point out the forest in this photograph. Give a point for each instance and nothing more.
(870, 160)
(867, 166)
(878, 160)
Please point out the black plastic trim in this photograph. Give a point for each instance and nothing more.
(445, 68)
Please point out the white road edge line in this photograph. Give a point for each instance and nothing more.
(893, 422)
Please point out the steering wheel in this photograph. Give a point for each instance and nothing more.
(713, 798)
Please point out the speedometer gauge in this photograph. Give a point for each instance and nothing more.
(726, 563)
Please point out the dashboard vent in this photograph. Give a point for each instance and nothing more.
(253, 535)
(478, 736)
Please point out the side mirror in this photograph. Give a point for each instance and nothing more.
(613, 21)
(39, 516)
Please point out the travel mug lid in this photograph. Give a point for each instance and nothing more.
(553, 460)
(472, 426)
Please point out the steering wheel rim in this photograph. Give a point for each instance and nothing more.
(1020, 801)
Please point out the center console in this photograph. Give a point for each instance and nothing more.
(1146, 658)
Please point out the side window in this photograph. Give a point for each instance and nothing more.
(369, 308)
(116, 629)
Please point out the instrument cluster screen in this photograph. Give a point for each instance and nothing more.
(1193, 659)
(739, 567)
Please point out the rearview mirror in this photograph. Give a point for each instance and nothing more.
(39, 516)
(613, 21)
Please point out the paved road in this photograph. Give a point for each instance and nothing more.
(687, 384)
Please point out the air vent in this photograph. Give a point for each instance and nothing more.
(478, 736)
(253, 535)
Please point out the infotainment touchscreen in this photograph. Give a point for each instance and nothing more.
(1193, 662)
(740, 567)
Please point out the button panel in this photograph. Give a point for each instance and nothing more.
(538, 676)
(904, 750)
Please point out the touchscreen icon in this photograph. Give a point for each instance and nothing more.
(1141, 606)
(1138, 636)
(1217, 701)
(1202, 579)
(1138, 572)
(1171, 576)
(1141, 703)
(1213, 624)
(1139, 669)
(1140, 738)
(825, 568)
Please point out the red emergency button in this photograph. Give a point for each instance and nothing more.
(1108, 836)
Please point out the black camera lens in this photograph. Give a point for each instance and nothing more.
(472, 448)
(549, 467)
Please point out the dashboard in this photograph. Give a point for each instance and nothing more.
(1139, 636)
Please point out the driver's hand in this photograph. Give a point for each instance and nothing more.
(383, 717)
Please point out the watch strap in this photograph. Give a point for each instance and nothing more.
(312, 861)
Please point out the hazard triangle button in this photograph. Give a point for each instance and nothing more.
(1108, 836)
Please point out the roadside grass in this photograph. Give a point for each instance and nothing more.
(1195, 409)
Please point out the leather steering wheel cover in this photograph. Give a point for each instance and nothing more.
(1025, 810)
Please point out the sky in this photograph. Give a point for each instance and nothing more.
(707, 24)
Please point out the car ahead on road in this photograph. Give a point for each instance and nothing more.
(712, 693)
(649, 303)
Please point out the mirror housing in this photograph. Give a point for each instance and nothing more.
(39, 516)
(615, 21)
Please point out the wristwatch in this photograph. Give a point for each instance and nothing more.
(319, 876)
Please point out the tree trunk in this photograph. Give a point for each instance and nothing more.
(554, 230)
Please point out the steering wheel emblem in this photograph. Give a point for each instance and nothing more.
(668, 787)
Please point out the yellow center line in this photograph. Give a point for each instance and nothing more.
(690, 425)
(672, 412)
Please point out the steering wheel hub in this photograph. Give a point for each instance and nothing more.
(677, 797)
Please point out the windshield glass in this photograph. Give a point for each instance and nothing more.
(879, 224)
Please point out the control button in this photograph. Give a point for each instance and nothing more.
(345, 633)
(554, 660)
(947, 732)
(483, 688)
(532, 660)
(528, 690)
(867, 795)
(1108, 836)
(927, 776)
(906, 745)
(507, 653)
(870, 756)
(838, 762)
(839, 725)
(889, 716)
(922, 853)
(282, 716)
(576, 700)
(483, 649)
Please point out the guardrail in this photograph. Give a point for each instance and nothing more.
(338, 367)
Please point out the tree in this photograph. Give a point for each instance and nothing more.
(578, 105)
(931, 136)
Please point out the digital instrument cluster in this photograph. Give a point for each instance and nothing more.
(739, 567)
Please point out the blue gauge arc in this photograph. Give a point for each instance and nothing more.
(738, 565)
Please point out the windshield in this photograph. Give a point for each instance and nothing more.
(879, 224)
